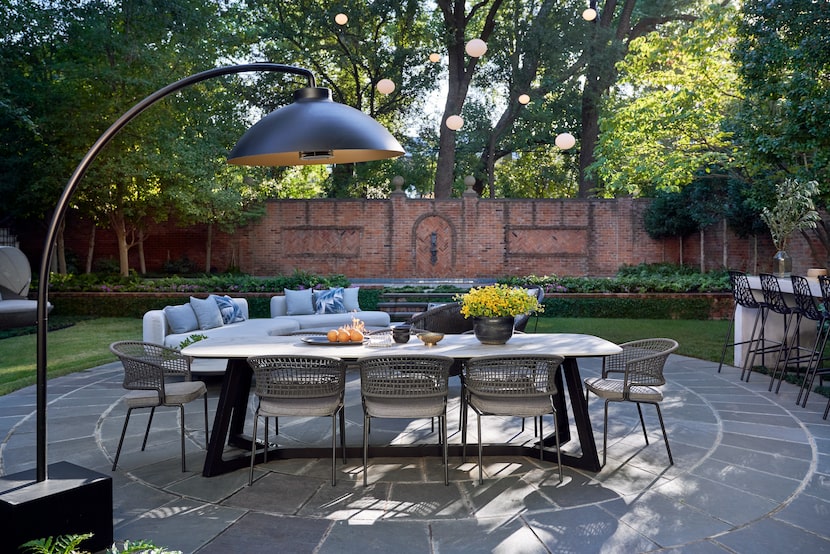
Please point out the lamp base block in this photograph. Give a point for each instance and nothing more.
(72, 500)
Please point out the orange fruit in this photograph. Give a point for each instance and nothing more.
(355, 335)
(343, 335)
(332, 335)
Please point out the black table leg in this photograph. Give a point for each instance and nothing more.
(229, 421)
(589, 460)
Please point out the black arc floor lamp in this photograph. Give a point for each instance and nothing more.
(312, 130)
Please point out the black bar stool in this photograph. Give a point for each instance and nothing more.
(805, 308)
(822, 334)
(742, 296)
(773, 302)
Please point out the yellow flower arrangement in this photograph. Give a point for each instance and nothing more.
(497, 301)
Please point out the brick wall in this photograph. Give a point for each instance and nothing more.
(459, 238)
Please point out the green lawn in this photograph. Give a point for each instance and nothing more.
(86, 343)
(81, 346)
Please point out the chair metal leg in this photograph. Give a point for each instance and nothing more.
(343, 432)
(366, 420)
(665, 437)
(147, 431)
(464, 430)
(642, 421)
(480, 451)
(181, 414)
(207, 435)
(121, 440)
(253, 449)
(605, 434)
(446, 457)
(729, 334)
(333, 448)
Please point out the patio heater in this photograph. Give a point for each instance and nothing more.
(312, 130)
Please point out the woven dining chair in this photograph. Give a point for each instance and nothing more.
(773, 303)
(633, 375)
(301, 386)
(410, 387)
(156, 376)
(521, 386)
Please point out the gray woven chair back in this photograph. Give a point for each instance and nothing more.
(445, 319)
(146, 365)
(527, 375)
(741, 291)
(642, 361)
(404, 376)
(298, 376)
(773, 297)
(804, 298)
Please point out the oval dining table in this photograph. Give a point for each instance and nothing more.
(231, 410)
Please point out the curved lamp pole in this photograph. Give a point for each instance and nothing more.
(312, 130)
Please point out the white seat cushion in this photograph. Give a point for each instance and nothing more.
(612, 389)
(405, 407)
(525, 406)
(300, 407)
(175, 393)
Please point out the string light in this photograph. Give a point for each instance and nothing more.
(341, 19)
(524, 99)
(385, 86)
(565, 141)
(454, 122)
(476, 48)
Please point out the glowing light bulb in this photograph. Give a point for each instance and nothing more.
(435, 57)
(590, 14)
(565, 141)
(385, 86)
(454, 122)
(341, 19)
(524, 99)
(476, 48)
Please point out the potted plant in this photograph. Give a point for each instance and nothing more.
(493, 309)
(794, 210)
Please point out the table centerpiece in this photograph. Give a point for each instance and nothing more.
(494, 308)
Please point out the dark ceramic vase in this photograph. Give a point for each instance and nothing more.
(493, 330)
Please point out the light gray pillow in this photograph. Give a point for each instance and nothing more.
(181, 319)
(298, 302)
(350, 302)
(207, 312)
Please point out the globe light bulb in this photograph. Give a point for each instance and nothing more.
(385, 86)
(565, 141)
(454, 122)
(435, 57)
(341, 19)
(590, 14)
(476, 48)
(524, 99)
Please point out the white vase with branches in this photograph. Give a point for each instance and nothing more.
(794, 210)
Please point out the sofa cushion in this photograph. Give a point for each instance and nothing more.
(329, 301)
(333, 321)
(230, 310)
(350, 299)
(298, 302)
(257, 327)
(181, 319)
(207, 312)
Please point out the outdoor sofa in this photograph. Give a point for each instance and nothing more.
(226, 317)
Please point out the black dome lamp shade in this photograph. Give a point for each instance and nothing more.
(314, 130)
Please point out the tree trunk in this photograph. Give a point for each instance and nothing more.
(208, 246)
(60, 247)
(142, 265)
(460, 73)
(90, 249)
(119, 226)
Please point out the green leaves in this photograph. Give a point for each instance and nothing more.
(793, 210)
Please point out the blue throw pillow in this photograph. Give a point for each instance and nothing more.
(298, 302)
(181, 319)
(330, 301)
(207, 312)
(350, 299)
(231, 313)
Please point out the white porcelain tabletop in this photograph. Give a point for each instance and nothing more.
(569, 345)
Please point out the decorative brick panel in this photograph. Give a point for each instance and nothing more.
(474, 238)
